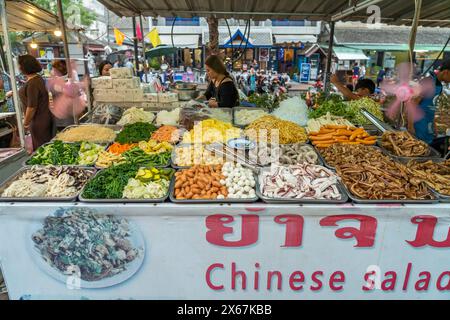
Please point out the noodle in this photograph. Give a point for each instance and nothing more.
(89, 133)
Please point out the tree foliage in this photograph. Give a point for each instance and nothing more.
(70, 7)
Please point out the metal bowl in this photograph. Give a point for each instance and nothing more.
(186, 94)
(185, 86)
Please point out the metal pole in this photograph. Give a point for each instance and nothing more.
(136, 55)
(66, 50)
(415, 24)
(327, 84)
(143, 41)
(107, 25)
(64, 36)
(12, 73)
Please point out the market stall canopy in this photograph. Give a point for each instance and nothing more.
(304, 38)
(181, 40)
(344, 53)
(434, 12)
(389, 38)
(258, 37)
(161, 50)
(25, 16)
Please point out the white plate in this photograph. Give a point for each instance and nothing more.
(136, 239)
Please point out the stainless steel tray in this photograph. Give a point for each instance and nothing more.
(442, 197)
(13, 177)
(173, 157)
(200, 201)
(116, 128)
(157, 200)
(387, 201)
(313, 148)
(25, 162)
(342, 191)
(326, 164)
(434, 154)
(236, 109)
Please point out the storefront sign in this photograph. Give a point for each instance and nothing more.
(305, 72)
(225, 252)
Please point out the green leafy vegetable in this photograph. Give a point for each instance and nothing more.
(110, 183)
(56, 153)
(133, 133)
(139, 157)
(370, 105)
(88, 153)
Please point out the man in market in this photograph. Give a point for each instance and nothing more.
(364, 88)
(425, 129)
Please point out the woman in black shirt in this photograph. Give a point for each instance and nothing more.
(221, 91)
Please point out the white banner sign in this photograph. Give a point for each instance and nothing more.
(225, 252)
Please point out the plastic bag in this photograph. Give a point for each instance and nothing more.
(28, 143)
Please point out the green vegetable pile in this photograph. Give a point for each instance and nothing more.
(133, 133)
(335, 106)
(88, 153)
(349, 110)
(56, 153)
(269, 102)
(110, 183)
(138, 157)
(62, 153)
(356, 105)
(149, 183)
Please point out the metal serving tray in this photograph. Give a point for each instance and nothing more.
(13, 177)
(342, 191)
(313, 148)
(116, 128)
(25, 162)
(442, 197)
(326, 164)
(157, 200)
(387, 201)
(201, 201)
(236, 109)
(434, 154)
(173, 157)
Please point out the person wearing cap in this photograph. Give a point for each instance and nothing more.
(424, 128)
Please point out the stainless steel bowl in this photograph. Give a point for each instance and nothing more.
(185, 86)
(186, 95)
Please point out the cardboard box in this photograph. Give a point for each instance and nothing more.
(167, 97)
(102, 83)
(131, 83)
(151, 97)
(121, 73)
(137, 95)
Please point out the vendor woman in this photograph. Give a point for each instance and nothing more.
(221, 91)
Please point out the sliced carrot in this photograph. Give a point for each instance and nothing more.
(356, 133)
(325, 130)
(343, 132)
(322, 137)
(336, 126)
(323, 142)
(323, 145)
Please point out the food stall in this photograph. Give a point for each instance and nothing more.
(288, 204)
(17, 16)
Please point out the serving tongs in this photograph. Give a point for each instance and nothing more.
(223, 150)
(382, 126)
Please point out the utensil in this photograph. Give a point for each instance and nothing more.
(382, 126)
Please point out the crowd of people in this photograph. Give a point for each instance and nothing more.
(55, 102)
